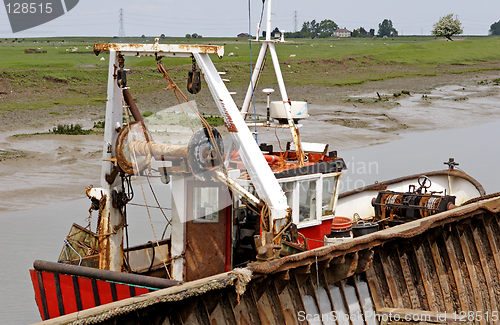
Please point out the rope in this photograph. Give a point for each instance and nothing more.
(264, 218)
(169, 222)
(143, 205)
(484, 197)
(304, 239)
(283, 229)
(179, 93)
(238, 277)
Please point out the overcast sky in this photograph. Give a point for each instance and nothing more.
(230, 17)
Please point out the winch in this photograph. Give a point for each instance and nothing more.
(400, 207)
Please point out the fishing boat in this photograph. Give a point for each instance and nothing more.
(255, 235)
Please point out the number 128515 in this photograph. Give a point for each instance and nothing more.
(29, 8)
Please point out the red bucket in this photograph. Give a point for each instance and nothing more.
(341, 227)
(341, 223)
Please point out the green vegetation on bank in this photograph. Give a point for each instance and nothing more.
(68, 129)
(11, 154)
(69, 74)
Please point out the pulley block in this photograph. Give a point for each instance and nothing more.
(194, 82)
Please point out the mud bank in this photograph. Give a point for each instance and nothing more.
(43, 169)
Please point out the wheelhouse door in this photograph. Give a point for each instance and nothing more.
(207, 230)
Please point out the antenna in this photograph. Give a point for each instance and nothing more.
(121, 31)
(295, 20)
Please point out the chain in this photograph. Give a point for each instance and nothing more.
(194, 67)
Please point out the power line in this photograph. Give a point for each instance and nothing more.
(121, 31)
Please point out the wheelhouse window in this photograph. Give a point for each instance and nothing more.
(311, 197)
(206, 204)
(328, 194)
(307, 200)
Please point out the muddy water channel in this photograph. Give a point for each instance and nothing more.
(378, 140)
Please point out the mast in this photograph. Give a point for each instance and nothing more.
(259, 65)
(111, 220)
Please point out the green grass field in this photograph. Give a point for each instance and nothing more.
(303, 61)
(403, 49)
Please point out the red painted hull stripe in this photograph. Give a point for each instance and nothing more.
(36, 277)
(122, 291)
(86, 293)
(105, 294)
(68, 293)
(140, 291)
(50, 294)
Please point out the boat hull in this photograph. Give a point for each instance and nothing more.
(62, 289)
(60, 294)
(451, 182)
(439, 268)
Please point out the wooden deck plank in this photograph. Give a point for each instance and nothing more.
(217, 310)
(396, 296)
(287, 306)
(242, 312)
(426, 278)
(375, 289)
(492, 231)
(358, 296)
(465, 244)
(296, 298)
(482, 252)
(442, 277)
(405, 266)
(452, 257)
(344, 299)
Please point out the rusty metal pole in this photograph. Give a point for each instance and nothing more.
(132, 106)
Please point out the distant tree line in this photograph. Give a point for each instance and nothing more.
(446, 26)
(386, 28)
(326, 28)
(195, 35)
(313, 29)
(361, 32)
